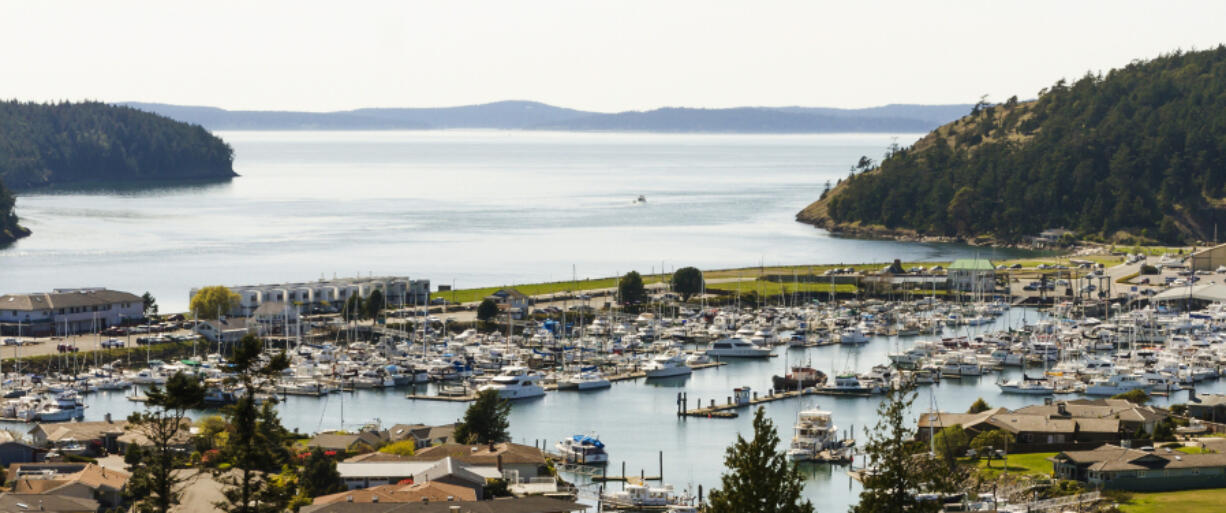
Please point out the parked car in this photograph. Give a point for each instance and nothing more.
(112, 343)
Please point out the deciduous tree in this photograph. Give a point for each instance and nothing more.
(209, 302)
(687, 281)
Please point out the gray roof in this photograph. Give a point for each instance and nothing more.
(512, 505)
(52, 300)
(382, 469)
(13, 502)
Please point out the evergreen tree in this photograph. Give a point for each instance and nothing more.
(374, 304)
(150, 304)
(486, 421)
(249, 447)
(899, 464)
(979, 406)
(164, 424)
(319, 475)
(758, 477)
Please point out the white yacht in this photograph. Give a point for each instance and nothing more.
(667, 365)
(852, 335)
(583, 449)
(814, 432)
(588, 378)
(516, 383)
(737, 348)
(1026, 387)
(1118, 384)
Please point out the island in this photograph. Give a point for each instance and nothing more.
(48, 145)
(1134, 156)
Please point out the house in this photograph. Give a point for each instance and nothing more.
(972, 275)
(1210, 407)
(432, 491)
(365, 474)
(227, 330)
(1053, 426)
(508, 459)
(95, 435)
(365, 441)
(511, 300)
(502, 505)
(21, 502)
(81, 480)
(1121, 468)
(421, 434)
(14, 451)
(67, 311)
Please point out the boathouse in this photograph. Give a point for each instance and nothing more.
(972, 275)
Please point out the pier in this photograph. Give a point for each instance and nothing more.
(741, 400)
(553, 387)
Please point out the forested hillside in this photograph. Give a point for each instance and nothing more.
(1139, 153)
(48, 144)
(9, 229)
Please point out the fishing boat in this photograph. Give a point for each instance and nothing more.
(800, 377)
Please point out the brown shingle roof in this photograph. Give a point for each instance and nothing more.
(481, 454)
(433, 490)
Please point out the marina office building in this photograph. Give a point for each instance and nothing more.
(329, 295)
(67, 311)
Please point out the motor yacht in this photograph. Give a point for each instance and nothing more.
(737, 348)
(516, 383)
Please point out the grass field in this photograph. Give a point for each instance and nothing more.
(760, 286)
(1188, 449)
(1186, 501)
(1032, 463)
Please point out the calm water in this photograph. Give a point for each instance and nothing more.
(489, 208)
(636, 419)
(476, 208)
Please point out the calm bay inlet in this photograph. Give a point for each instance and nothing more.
(491, 208)
(469, 208)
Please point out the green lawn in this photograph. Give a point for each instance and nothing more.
(1189, 449)
(1031, 463)
(533, 289)
(1187, 501)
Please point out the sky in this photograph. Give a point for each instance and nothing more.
(594, 55)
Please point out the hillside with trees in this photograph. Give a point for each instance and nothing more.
(51, 144)
(1138, 154)
(9, 229)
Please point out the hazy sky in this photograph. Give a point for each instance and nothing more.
(605, 56)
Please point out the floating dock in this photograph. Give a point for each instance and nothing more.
(551, 387)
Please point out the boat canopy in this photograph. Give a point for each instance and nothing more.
(587, 440)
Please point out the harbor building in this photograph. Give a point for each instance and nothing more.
(972, 275)
(67, 311)
(328, 296)
(1209, 259)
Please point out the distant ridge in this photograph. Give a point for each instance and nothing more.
(527, 115)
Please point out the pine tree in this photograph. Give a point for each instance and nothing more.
(252, 447)
(486, 420)
(164, 424)
(759, 478)
(319, 475)
(897, 476)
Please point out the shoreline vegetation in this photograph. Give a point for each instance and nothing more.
(1134, 156)
(44, 145)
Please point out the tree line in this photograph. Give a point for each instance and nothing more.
(1138, 153)
(55, 143)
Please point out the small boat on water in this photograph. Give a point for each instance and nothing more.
(800, 377)
(583, 449)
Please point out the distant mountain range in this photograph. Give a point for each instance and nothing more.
(525, 115)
